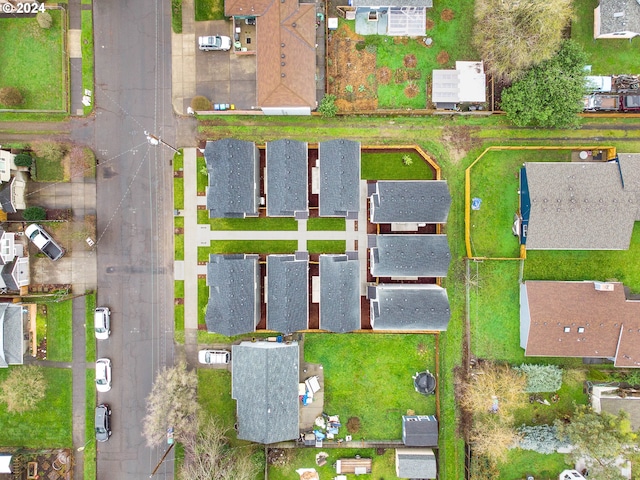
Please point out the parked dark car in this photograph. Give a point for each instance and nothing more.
(103, 422)
(630, 103)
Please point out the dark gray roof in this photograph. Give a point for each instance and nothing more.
(416, 463)
(392, 3)
(410, 256)
(579, 206)
(420, 430)
(411, 201)
(339, 293)
(6, 197)
(339, 178)
(234, 294)
(612, 23)
(234, 178)
(287, 181)
(409, 307)
(264, 382)
(287, 293)
(11, 341)
(7, 275)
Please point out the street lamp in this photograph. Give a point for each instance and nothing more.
(155, 141)
(80, 449)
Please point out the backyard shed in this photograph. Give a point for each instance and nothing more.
(465, 84)
(416, 463)
(420, 430)
(358, 466)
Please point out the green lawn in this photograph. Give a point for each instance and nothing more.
(389, 166)
(383, 466)
(607, 56)
(214, 397)
(90, 305)
(203, 299)
(32, 61)
(48, 171)
(247, 246)
(89, 452)
(178, 239)
(250, 223)
(178, 310)
(49, 425)
(326, 246)
(522, 462)
(326, 223)
(176, 16)
(209, 10)
(178, 193)
(203, 178)
(495, 181)
(370, 377)
(59, 331)
(87, 55)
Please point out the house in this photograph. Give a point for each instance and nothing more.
(465, 84)
(12, 341)
(616, 19)
(264, 383)
(7, 163)
(14, 266)
(409, 201)
(580, 319)
(416, 463)
(396, 18)
(408, 307)
(409, 256)
(339, 178)
(285, 49)
(287, 179)
(614, 399)
(287, 293)
(420, 430)
(234, 178)
(12, 193)
(234, 294)
(340, 292)
(579, 206)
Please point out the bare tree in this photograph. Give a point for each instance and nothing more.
(172, 403)
(24, 388)
(209, 457)
(492, 439)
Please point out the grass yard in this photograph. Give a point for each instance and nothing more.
(522, 462)
(607, 56)
(247, 246)
(178, 193)
(49, 425)
(326, 223)
(176, 16)
(178, 309)
(89, 453)
(209, 10)
(326, 246)
(249, 223)
(370, 377)
(87, 55)
(90, 305)
(383, 466)
(203, 177)
(495, 180)
(214, 397)
(32, 61)
(389, 166)
(48, 171)
(203, 299)
(59, 331)
(178, 239)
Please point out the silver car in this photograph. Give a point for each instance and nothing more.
(103, 422)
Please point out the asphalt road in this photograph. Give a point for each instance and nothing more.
(134, 239)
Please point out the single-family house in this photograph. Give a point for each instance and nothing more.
(339, 178)
(409, 256)
(408, 307)
(264, 383)
(13, 184)
(580, 319)
(12, 342)
(616, 19)
(409, 201)
(579, 205)
(287, 179)
(7, 163)
(287, 293)
(234, 283)
(285, 50)
(420, 430)
(416, 463)
(14, 265)
(614, 399)
(234, 178)
(340, 292)
(467, 84)
(396, 18)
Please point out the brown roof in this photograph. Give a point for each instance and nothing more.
(285, 50)
(610, 322)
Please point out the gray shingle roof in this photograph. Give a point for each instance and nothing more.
(287, 181)
(612, 23)
(234, 178)
(264, 382)
(420, 430)
(234, 294)
(287, 293)
(414, 201)
(409, 307)
(6, 197)
(339, 293)
(339, 178)
(410, 256)
(579, 206)
(630, 168)
(392, 3)
(11, 332)
(416, 463)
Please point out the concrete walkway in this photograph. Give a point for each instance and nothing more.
(183, 61)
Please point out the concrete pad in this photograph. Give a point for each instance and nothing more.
(74, 43)
(178, 270)
(243, 67)
(203, 235)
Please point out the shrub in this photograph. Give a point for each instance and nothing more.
(49, 150)
(539, 438)
(406, 160)
(541, 378)
(10, 97)
(360, 46)
(353, 425)
(348, 89)
(200, 103)
(34, 214)
(23, 160)
(44, 20)
(327, 107)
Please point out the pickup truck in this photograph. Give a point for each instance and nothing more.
(44, 242)
(602, 103)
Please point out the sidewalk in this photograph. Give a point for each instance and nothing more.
(183, 62)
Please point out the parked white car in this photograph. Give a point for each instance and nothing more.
(214, 42)
(102, 322)
(213, 357)
(103, 374)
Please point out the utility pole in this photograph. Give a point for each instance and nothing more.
(155, 141)
(162, 460)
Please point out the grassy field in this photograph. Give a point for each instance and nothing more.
(326, 246)
(90, 305)
(59, 331)
(370, 377)
(250, 223)
(389, 166)
(49, 425)
(89, 452)
(32, 61)
(247, 246)
(326, 223)
(209, 10)
(87, 55)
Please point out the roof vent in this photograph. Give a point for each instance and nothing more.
(282, 45)
(618, 14)
(567, 329)
(282, 64)
(282, 75)
(294, 25)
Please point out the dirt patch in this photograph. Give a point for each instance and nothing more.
(410, 61)
(443, 57)
(81, 162)
(430, 24)
(465, 420)
(411, 90)
(384, 75)
(279, 456)
(459, 140)
(447, 15)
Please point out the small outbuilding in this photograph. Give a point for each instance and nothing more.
(416, 463)
(420, 430)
